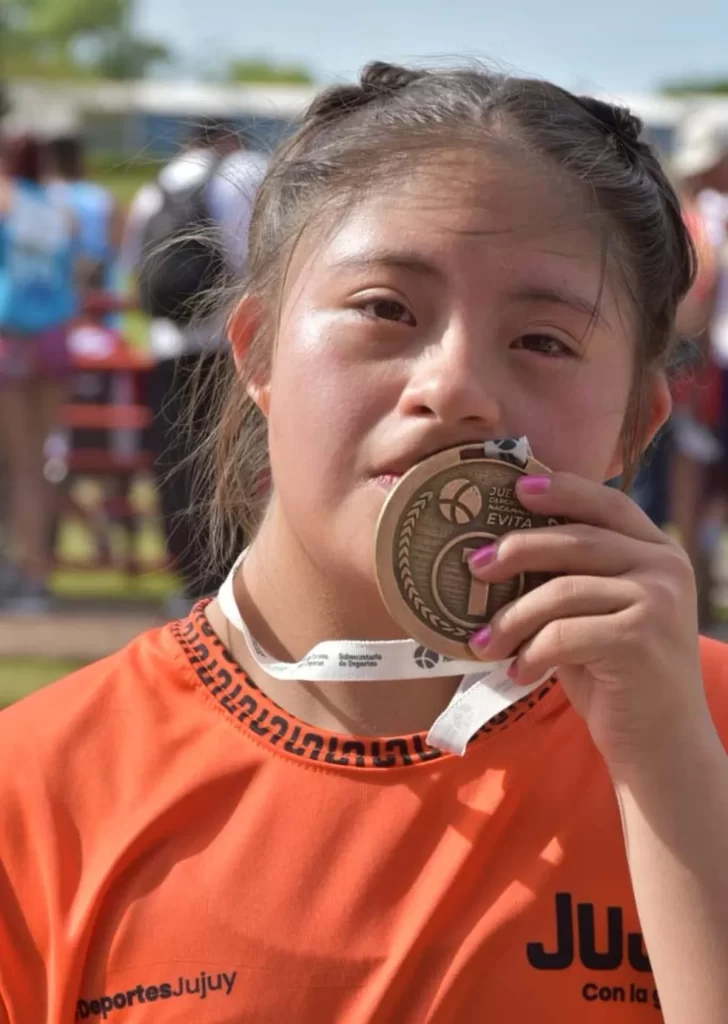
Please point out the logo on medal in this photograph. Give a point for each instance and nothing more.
(438, 515)
(460, 501)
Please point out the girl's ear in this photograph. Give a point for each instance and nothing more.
(659, 406)
(242, 325)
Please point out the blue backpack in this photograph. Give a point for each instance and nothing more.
(37, 290)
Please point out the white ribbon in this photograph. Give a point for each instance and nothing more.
(480, 696)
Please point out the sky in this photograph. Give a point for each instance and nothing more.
(620, 46)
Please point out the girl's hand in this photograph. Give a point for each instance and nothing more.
(619, 623)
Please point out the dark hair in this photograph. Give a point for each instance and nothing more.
(209, 132)
(353, 134)
(25, 158)
(67, 157)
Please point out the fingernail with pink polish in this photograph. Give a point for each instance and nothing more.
(481, 639)
(512, 672)
(483, 557)
(534, 484)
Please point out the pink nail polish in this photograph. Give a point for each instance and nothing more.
(534, 484)
(482, 637)
(483, 556)
(512, 672)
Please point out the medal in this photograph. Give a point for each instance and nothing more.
(448, 505)
(440, 512)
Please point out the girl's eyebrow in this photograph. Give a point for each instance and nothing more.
(417, 264)
(398, 259)
(562, 297)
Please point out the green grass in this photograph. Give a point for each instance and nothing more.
(74, 539)
(135, 327)
(20, 676)
(114, 585)
(124, 177)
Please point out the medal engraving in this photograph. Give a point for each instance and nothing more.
(440, 512)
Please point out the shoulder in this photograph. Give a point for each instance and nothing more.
(71, 756)
(231, 192)
(186, 171)
(98, 744)
(98, 192)
(244, 163)
(76, 721)
(240, 171)
(88, 193)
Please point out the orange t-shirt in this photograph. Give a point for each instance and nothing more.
(174, 847)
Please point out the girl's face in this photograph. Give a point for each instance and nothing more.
(468, 302)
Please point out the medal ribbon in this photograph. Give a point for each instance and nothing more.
(481, 695)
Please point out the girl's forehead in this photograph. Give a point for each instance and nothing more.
(469, 206)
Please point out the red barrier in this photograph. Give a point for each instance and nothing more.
(105, 426)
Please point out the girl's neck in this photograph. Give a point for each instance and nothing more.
(290, 604)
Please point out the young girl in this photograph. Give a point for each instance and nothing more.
(436, 258)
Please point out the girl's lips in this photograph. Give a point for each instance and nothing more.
(387, 480)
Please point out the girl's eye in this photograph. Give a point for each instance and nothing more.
(543, 344)
(388, 309)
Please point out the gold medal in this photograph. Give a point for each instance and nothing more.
(441, 511)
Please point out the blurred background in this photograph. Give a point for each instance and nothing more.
(124, 121)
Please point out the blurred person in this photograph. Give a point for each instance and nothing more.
(693, 381)
(100, 224)
(7, 574)
(37, 300)
(653, 490)
(211, 184)
(231, 197)
(699, 427)
(99, 217)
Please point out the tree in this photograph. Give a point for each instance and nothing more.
(75, 38)
(4, 98)
(696, 87)
(64, 22)
(126, 57)
(259, 70)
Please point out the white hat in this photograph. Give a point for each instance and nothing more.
(700, 145)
